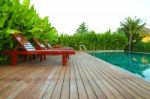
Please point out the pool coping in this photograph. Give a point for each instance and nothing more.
(115, 51)
(105, 51)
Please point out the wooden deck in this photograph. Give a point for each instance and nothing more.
(85, 77)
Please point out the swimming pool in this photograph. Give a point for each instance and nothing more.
(137, 63)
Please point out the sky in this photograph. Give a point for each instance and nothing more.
(99, 15)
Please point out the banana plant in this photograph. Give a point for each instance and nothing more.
(23, 18)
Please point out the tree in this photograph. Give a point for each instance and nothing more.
(83, 28)
(132, 28)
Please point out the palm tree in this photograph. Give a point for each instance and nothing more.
(132, 28)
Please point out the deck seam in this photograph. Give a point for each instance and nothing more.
(96, 83)
(88, 80)
(81, 78)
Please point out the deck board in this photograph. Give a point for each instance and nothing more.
(50, 89)
(89, 89)
(66, 85)
(73, 83)
(85, 77)
(132, 85)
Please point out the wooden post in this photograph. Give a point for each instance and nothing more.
(34, 57)
(30, 58)
(64, 59)
(44, 57)
(38, 56)
(13, 58)
(67, 56)
(25, 58)
(41, 58)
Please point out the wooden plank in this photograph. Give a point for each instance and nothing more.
(40, 80)
(58, 89)
(85, 77)
(46, 82)
(8, 81)
(73, 84)
(11, 88)
(104, 81)
(90, 92)
(124, 81)
(8, 71)
(16, 92)
(123, 74)
(80, 86)
(104, 89)
(50, 89)
(138, 80)
(115, 88)
(123, 84)
(30, 82)
(66, 85)
(97, 90)
(115, 84)
(130, 82)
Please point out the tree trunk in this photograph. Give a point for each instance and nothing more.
(130, 40)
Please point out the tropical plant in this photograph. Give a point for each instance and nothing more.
(22, 18)
(17, 17)
(132, 28)
(93, 41)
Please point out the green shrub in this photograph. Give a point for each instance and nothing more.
(21, 17)
(142, 47)
(93, 41)
(3, 59)
(16, 17)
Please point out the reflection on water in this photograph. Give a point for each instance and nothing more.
(134, 59)
(137, 63)
(144, 60)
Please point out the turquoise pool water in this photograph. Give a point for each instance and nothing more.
(137, 63)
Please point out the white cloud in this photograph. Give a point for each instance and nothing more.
(100, 15)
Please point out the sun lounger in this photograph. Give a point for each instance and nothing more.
(26, 48)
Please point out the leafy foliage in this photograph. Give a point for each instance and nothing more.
(21, 17)
(92, 41)
(142, 47)
(83, 28)
(17, 17)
